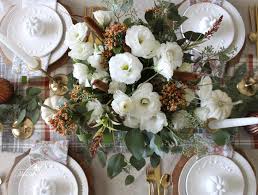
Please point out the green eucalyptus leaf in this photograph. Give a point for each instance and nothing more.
(21, 116)
(33, 104)
(134, 140)
(35, 116)
(108, 138)
(221, 137)
(193, 36)
(155, 160)
(116, 163)
(84, 137)
(32, 91)
(102, 156)
(138, 164)
(129, 180)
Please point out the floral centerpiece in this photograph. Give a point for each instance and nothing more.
(142, 80)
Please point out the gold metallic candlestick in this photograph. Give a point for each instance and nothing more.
(247, 86)
(24, 130)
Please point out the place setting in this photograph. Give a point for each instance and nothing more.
(164, 104)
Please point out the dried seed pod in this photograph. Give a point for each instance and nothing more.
(6, 90)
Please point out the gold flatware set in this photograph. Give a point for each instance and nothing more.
(158, 185)
(253, 16)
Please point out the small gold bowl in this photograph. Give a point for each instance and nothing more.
(23, 131)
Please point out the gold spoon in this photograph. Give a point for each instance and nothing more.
(150, 178)
(165, 182)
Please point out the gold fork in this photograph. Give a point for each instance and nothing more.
(151, 179)
(253, 17)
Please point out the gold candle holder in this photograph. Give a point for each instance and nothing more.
(23, 131)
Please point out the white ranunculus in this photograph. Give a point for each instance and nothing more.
(219, 104)
(82, 73)
(205, 88)
(169, 57)
(147, 103)
(180, 120)
(97, 110)
(125, 68)
(122, 103)
(76, 34)
(96, 59)
(81, 51)
(141, 41)
(104, 18)
(131, 122)
(202, 113)
(116, 86)
(154, 124)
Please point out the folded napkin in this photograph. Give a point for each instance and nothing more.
(49, 150)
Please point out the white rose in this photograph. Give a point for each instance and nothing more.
(81, 51)
(141, 41)
(154, 124)
(104, 18)
(122, 104)
(97, 110)
(82, 73)
(219, 104)
(169, 57)
(205, 88)
(76, 34)
(96, 59)
(125, 68)
(116, 86)
(131, 122)
(180, 120)
(147, 103)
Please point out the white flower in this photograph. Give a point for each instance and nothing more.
(186, 67)
(122, 104)
(97, 110)
(125, 68)
(141, 41)
(180, 120)
(155, 123)
(147, 103)
(219, 104)
(169, 57)
(76, 34)
(189, 95)
(131, 122)
(82, 73)
(96, 59)
(104, 18)
(116, 86)
(81, 51)
(202, 113)
(205, 88)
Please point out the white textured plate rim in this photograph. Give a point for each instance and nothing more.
(72, 164)
(60, 31)
(72, 178)
(223, 158)
(218, 7)
(240, 35)
(61, 48)
(250, 179)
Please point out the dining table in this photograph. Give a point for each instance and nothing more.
(11, 147)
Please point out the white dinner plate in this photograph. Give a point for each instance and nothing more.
(215, 174)
(24, 164)
(201, 17)
(247, 171)
(48, 175)
(61, 48)
(239, 38)
(49, 25)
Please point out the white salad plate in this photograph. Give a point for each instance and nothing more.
(40, 29)
(202, 16)
(59, 51)
(48, 178)
(239, 38)
(215, 174)
(246, 169)
(24, 164)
